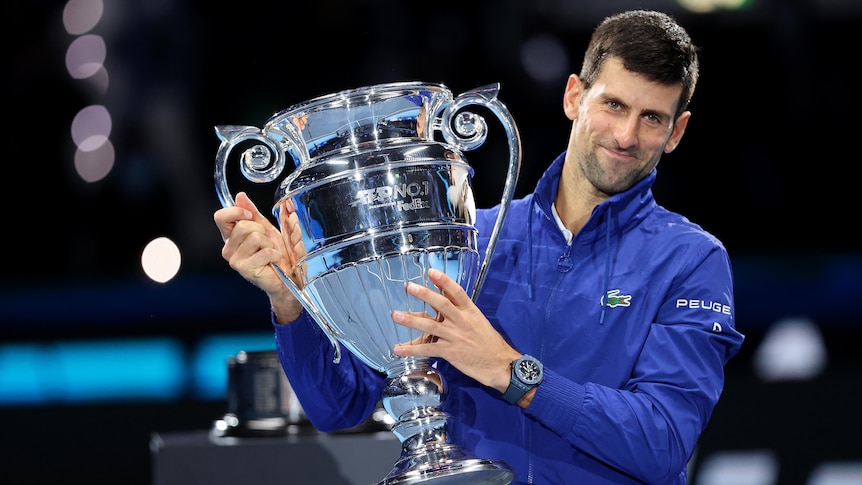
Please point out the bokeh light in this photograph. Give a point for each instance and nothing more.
(85, 56)
(80, 16)
(545, 58)
(95, 165)
(161, 259)
(91, 127)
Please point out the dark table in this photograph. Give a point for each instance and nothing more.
(201, 457)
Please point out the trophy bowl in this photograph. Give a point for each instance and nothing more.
(382, 193)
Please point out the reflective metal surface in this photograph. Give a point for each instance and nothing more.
(382, 194)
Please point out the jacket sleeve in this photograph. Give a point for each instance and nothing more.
(333, 396)
(649, 426)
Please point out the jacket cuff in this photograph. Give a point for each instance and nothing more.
(557, 401)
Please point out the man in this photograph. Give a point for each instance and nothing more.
(626, 308)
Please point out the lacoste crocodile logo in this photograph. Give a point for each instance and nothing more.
(615, 299)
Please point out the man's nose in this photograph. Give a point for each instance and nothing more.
(626, 131)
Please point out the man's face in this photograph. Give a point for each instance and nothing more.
(622, 125)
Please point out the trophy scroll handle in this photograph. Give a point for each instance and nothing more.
(262, 163)
(257, 163)
(470, 131)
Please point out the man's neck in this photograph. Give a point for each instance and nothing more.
(575, 202)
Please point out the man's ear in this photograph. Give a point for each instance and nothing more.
(572, 96)
(678, 130)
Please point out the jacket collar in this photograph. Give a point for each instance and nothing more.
(628, 207)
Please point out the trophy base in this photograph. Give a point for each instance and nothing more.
(450, 465)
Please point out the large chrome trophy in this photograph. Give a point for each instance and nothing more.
(383, 193)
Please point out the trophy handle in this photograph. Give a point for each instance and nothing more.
(262, 163)
(470, 132)
(313, 310)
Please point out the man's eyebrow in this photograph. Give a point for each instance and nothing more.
(605, 96)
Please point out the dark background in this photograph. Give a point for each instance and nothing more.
(769, 164)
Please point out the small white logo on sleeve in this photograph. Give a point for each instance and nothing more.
(716, 327)
(713, 306)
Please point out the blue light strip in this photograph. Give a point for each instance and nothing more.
(210, 360)
(134, 369)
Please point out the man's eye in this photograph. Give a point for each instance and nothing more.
(614, 105)
(654, 119)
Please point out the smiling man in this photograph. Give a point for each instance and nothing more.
(576, 363)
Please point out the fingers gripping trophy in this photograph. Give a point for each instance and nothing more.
(382, 193)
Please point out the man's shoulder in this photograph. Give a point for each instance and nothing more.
(671, 227)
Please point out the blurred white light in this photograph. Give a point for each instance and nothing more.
(95, 165)
(161, 259)
(545, 59)
(99, 81)
(707, 6)
(91, 128)
(697, 6)
(757, 467)
(792, 349)
(80, 16)
(837, 473)
(85, 56)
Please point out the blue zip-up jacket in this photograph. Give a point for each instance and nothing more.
(633, 321)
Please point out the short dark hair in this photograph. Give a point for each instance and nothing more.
(649, 43)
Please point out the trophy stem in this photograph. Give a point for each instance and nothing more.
(412, 396)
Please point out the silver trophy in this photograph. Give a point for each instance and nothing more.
(382, 193)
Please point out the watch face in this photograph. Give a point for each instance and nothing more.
(529, 371)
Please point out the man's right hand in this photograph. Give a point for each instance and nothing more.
(252, 244)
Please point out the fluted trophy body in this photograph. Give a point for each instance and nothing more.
(382, 194)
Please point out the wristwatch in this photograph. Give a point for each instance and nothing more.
(527, 373)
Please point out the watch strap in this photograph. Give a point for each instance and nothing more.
(515, 391)
(518, 386)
